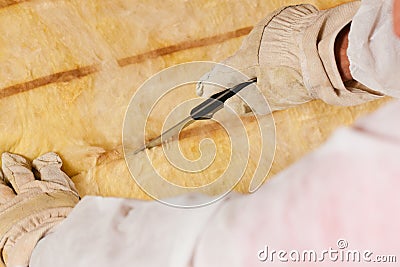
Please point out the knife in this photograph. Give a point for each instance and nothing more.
(204, 111)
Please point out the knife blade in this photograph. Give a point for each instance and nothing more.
(204, 111)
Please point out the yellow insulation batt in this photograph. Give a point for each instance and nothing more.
(68, 70)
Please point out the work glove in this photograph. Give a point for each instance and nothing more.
(29, 207)
(291, 53)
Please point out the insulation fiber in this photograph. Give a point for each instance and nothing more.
(69, 68)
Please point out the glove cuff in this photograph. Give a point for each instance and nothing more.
(317, 51)
(19, 234)
(280, 75)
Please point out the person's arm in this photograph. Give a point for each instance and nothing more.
(374, 47)
(397, 17)
(342, 43)
(340, 197)
(297, 54)
(342, 60)
(332, 194)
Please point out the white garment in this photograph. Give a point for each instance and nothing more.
(124, 233)
(347, 189)
(374, 49)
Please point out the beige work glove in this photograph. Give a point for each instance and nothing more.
(291, 53)
(29, 207)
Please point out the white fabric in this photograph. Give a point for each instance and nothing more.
(348, 189)
(374, 49)
(124, 232)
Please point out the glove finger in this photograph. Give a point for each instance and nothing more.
(222, 77)
(6, 193)
(217, 80)
(212, 83)
(250, 99)
(49, 168)
(17, 170)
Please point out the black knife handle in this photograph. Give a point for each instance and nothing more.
(208, 108)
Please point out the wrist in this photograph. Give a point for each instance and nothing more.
(342, 60)
(396, 17)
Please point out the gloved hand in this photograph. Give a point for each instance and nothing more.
(291, 52)
(30, 208)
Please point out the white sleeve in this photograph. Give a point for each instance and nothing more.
(342, 198)
(105, 232)
(346, 191)
(374, 49)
